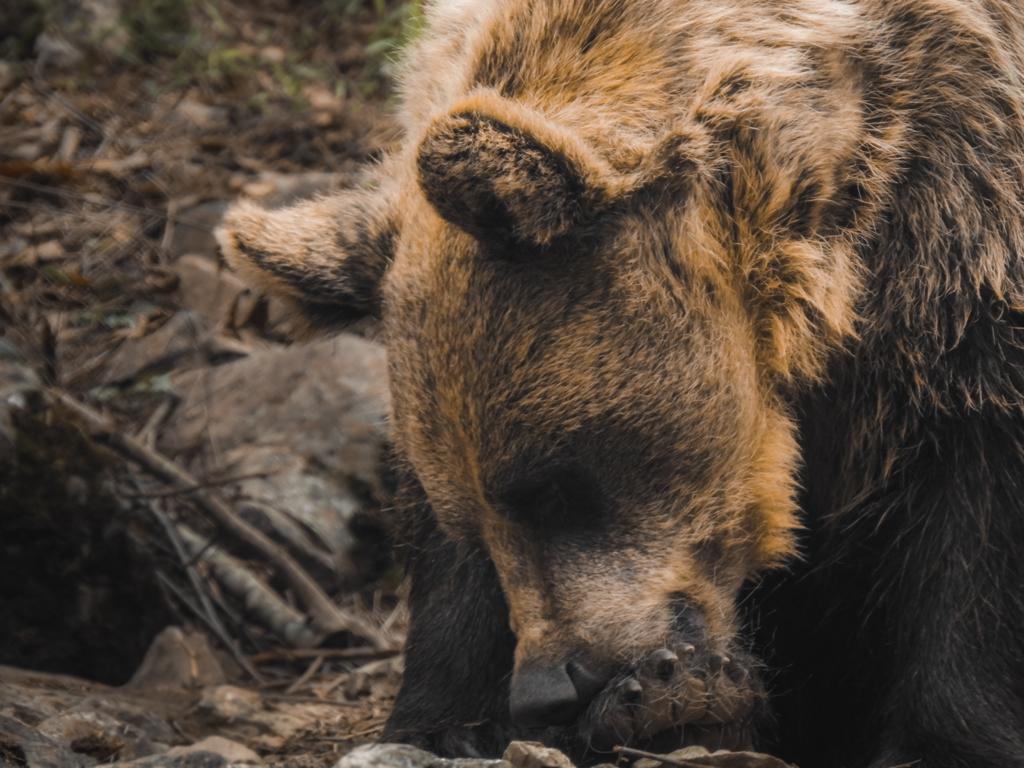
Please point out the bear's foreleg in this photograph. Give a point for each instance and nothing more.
(459, 652)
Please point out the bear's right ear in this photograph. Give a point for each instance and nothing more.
(496, 169)
(326, 255)
(500, 170)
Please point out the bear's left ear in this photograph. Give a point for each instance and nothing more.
(502, 171)
(327, 255)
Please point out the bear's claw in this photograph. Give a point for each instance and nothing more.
(710, 696)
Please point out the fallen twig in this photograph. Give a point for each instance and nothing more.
(663, 759)
(327, 616)
(721, 759)
(147, 435)
(291, 698)
(348, 737)
(260, 601)
(206, 610)
(213, 483)
(306, 676)
(212, 625)
(300, 654)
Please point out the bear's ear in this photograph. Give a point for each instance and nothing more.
(501, 171)
(327, 255)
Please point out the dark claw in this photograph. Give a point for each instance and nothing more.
(687, 651)
(631, 691)
(716, 661)
(664, 662)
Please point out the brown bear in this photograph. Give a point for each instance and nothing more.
(676, 292)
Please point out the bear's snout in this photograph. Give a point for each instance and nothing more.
(543, 694)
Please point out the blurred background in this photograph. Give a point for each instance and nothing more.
(194, 527)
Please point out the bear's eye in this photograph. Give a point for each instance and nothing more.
(558, 499)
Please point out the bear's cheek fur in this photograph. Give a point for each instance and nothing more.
(608, 605)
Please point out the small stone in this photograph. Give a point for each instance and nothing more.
(322, 99)
(70, 139)
(177, 660)
(387, 756)
(531, 754)
(178, 343)
(687, 753)
(725, 759)
(15, 252)
(231, 751)
(51, 250)
(227, 703)
(273, 54)
(200, 115)
(57, 51)
(206, 288)
(405, 756)
(94, 733)
(189, 760)
(720, 759)
(28, 151)
(193, 229)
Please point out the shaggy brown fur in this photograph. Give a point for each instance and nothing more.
(638, 261)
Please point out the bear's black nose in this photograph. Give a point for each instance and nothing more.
(546, 693)
(543, 694)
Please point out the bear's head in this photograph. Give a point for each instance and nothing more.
(585, 382)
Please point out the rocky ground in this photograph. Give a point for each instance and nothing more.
(194, 559)
(169, 457)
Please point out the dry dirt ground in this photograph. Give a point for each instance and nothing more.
(125, 130)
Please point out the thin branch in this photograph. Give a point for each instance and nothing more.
(213, 483)
(328, 617)
(208, 612)
(260, 601)
(203, 617)
(108, 202)
(663, 759)
(301, 654)
(306, 676)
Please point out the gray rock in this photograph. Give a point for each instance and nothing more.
(229, 704)
(177, 660)
(178, 342)
(93, 23)
(232, 751)
(404, 756)
(193, 229)
(207, 289)
(190, 760)
(198, 115)
(312, 419)
(698, 756)
(687, 753)
(57, 51)
(531, 754)
(33, 748)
